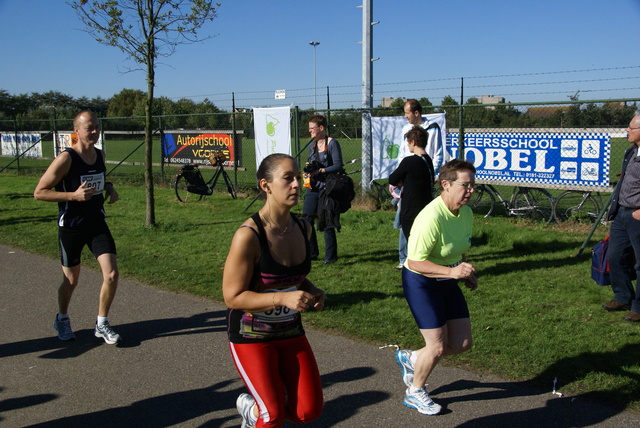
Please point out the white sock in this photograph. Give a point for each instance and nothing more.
(413, 357)
(413, 389)
(62, 316)
(102, 320)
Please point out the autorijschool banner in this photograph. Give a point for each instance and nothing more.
(195, 147)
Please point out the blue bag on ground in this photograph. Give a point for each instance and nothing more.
(600, 263)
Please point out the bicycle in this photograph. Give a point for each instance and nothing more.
(189, 182)
(527, 202)
(579, 205)
(381, 193)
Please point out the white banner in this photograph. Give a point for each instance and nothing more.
(272, 127)
(68, 139)
(25, 141)
(388, 141)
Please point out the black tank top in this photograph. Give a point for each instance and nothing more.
(74, 214)
(270, 276)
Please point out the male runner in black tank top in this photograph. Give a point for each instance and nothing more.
(75, 180)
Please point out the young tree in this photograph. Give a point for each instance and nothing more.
(145, 30)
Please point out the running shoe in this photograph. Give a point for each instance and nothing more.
(403, 358)
(106, 332)
(244, 404)
(421, 401)
(63, 327)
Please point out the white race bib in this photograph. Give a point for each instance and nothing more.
(95, 181)
(279, 314)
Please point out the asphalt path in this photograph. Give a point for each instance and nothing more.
(174, 368)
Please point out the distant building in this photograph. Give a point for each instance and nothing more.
(387, 101)
(616, 104)
(491, 99)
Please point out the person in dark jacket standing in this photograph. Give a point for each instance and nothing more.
(325, 157)
(76, 181)
(416, 176)
(625, 230)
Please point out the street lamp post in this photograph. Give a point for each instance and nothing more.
(314, 44)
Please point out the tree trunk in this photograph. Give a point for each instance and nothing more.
(150, 220)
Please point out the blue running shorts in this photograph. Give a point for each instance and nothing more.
(433, 302)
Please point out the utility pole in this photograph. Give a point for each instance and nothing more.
(367, 92)
(315, 85)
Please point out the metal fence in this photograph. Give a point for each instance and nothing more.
(476, 131)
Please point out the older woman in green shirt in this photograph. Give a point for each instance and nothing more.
(436, 262)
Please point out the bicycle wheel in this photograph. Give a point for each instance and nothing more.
(482, 201)
(182, 193)
(576, 206)
(381, 193)
(533, 203)
(230, 188)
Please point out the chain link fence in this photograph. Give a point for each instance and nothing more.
(574, 147)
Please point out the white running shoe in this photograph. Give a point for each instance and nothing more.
(244, 404)
(63, 327)
(403, 358)
(421, 402)
(106, 332)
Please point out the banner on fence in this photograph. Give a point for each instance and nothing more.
(388, 140)
(563, 158)
(193, 147)
(68, 139)
(15, 144)
(273, 131)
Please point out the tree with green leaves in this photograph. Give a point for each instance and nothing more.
(145, 30)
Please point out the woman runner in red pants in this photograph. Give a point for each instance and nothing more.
(265, 287)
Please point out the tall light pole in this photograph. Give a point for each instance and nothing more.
(314, 44)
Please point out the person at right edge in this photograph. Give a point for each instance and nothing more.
(624, 234)
(325, 157)
(436, 261)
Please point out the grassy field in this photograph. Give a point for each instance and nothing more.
(536, 315)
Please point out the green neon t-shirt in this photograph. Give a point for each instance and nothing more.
(440, 236)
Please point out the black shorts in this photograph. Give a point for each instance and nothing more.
(72, 241)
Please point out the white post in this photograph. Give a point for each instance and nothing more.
(315, 85)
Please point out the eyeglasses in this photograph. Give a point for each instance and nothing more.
(467, 186)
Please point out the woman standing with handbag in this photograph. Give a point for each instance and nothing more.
(325, 157)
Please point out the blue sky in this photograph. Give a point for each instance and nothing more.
(543, 50)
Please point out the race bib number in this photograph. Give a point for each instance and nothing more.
(95, 181)
(279, 314)
(278, 322)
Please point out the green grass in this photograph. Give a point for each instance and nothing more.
(536, 314)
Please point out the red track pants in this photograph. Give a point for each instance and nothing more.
(283, 378)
